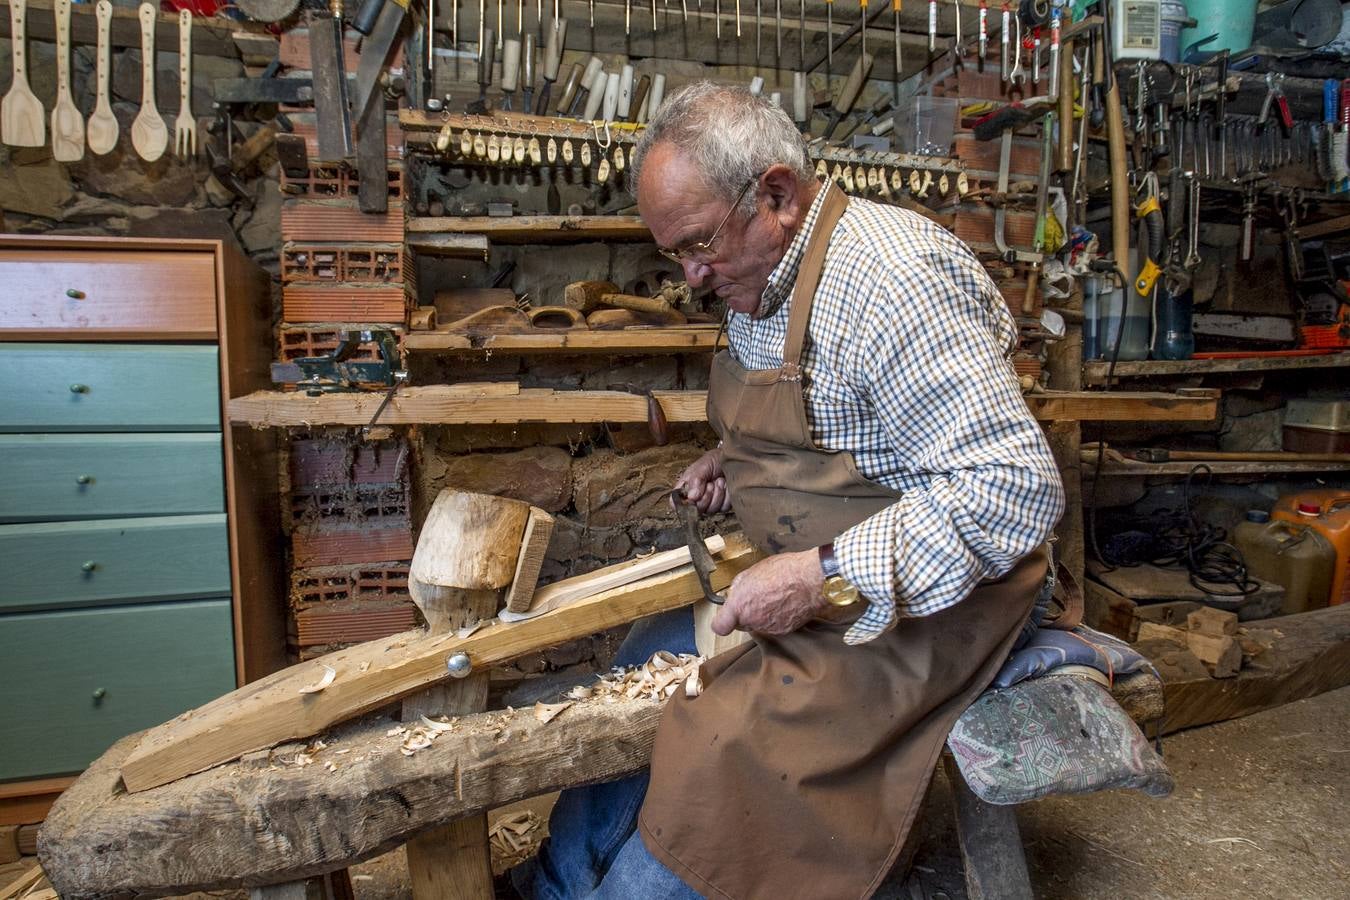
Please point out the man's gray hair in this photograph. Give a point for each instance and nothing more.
(729, 134)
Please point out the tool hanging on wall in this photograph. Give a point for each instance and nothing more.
(103, 127)
(862, 23)
(501, 26)
(778, 31)
(958, 50)
(896, 65)
(510, 70)
(185, 126)
(67, 123)
(1054, 53)
(22, 121)
(829, 40)
(149, 135)
(527, 73)
(983, 47)
(479, 107)
(759, 29)
(932, 26)
(552, 60)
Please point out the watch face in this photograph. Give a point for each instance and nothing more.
(839, 592)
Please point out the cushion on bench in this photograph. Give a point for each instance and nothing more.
(1058, 734)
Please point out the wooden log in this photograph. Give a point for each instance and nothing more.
(1220, 653)
(1149, 631)
(273, 709)
(991, 845)
(1311, 656)
(265, 819)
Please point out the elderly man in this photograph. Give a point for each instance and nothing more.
(876, 446)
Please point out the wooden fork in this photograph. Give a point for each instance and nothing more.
(185, 126)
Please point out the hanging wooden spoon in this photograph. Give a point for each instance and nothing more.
(67, 123)
(103, 125)
(149, 134)
(21, 118)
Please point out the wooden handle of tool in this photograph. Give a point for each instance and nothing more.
(569, 91)
(636, 304)
(510, 64)
(1033, 285)
(553, 50)
(148, 15)
(625, 92)
(1064, 158)
(639, 97)
(1120, 185)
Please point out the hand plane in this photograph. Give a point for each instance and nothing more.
(338, 372)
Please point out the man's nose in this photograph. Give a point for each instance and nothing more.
(695, 272)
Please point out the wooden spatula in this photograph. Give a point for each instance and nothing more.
(21, 119)
(149, 134)
(103, 125)
(67, 123)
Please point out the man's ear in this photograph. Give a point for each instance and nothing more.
(783, 193)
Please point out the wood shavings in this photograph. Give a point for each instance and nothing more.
(467, 630)
(303, 759)
(420, 736)
(329, 673)
(657, 679)
(514, 838)
(547, 712)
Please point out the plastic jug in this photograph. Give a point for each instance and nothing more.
(1289, 554)
(1326, 511)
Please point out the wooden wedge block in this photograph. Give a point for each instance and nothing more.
(1208, 620)
(1153, 631)
(9, 844)
(533, 546)
(1221, 654)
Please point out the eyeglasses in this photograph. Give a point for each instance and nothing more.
(702, 252)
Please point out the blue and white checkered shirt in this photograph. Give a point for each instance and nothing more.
(906, 366)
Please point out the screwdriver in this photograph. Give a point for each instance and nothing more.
(759, 30)
(932, 27)
(778, 30)
(829, 42)
(1003, 43)
(717, 18)
(984, 30)
(738, 20)
(895, 32)
(862, 22)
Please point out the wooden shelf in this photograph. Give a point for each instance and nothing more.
(497, 403)
(532, 229)
(1135, 469)
(577, 340)
(1094, 373)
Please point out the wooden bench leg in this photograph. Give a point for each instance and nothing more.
(991, 845)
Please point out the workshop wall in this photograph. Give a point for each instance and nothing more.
(122, 195)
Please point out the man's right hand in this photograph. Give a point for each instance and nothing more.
(704, 484)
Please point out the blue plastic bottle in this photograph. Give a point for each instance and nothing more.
(1172, 336)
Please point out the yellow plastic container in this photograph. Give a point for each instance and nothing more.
(1326, 511)
(1290, 554)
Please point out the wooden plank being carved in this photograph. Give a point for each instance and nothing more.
(273, 709)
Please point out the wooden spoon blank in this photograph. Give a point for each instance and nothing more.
(149, 134)
(22, 122)
(103, 125)
(67, 123)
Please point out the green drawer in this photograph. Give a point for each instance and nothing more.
(108, 387)
(68, 564)
(77, 680)
(57, 477)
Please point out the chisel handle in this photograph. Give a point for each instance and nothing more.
(485, 58)
(553, 50)
(367, 15)
(640, 92)
(569, 91)
(510, 64)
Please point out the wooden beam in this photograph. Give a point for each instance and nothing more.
(273, 709)
(534, 229)
(1094, 372)
(1310, 656)
(572, 341)
(492, 403)
(23, 802)
(210, 36)
(266, 819)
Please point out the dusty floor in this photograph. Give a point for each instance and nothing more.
(1260, 811)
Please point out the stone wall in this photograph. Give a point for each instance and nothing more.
(122, 195)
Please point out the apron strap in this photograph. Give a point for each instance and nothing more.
(808, 278)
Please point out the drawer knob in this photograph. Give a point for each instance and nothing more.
(100, 693)
(89, 565)
(74, 294)
(84, 479)
(79, 388)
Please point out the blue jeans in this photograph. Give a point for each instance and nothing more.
(593, 849)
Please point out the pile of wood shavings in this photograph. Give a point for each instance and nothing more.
(514, 839)
(656, 679)
(421, 735)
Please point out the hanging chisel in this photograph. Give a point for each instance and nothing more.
(958, 51)
(738, 20)
(520, 20)
(627, 18)
(595, 96)
(984, 32)
(896, 65)
(552, 59)
(569, 91)
(623, 107)
(527, 72)
(510, 70)
(657, 95)
(717, 19)
(1054, 53)
(644, 85)
(932, 27)
(759, 30)
(500, 29)
(778, 31)
(653, 16)
(1003, 37)
(479, 107)
(595, 67)
(591, 5)
(829, 42)
(801, 34)
(862, 22)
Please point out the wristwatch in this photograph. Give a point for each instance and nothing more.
(837, 589)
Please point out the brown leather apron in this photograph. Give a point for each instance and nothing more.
(799, 769)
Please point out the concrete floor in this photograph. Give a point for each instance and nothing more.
(1261, 810)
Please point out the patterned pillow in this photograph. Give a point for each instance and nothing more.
(1058, 734)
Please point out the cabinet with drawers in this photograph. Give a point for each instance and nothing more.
(141, 569)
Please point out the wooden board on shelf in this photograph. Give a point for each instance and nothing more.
(1148, 583)
(533, 229)
(1094, 372)
(494, 403)
(624, 340)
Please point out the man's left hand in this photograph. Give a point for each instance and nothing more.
(776, 595)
